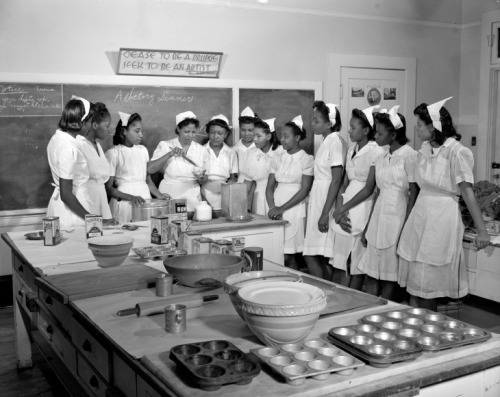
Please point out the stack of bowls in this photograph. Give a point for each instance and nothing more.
(110, 251)
(279, 312)
(232, 284)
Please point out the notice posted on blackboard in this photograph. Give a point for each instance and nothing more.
(30, 100)
(169, 63)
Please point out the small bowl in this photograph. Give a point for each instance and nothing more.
(110, 251)
(216, 213)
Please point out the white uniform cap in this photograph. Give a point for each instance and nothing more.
(298, 122)
(393, 116)
(331, 107)
(124, 117)
(86, 105)
(247, 112)
(220, 117)
(270, 123)
(183, 116)
(369, 113)
(434, 113)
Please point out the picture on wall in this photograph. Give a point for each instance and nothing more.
(357, 92)
(389, 94)
(373, 97)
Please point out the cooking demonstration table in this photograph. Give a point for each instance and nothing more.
(98, 353)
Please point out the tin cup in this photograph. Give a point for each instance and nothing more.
(164, 284)
(175, 318)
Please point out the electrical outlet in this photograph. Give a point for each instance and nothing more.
(473, 141)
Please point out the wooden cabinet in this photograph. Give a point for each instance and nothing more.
(483, 270)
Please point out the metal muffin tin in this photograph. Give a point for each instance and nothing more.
(214, 363)
(158, 252)
(434, 331)
(380, 347)
(315, 359)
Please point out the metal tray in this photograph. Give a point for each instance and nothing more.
(315, 359)
(379, 347)
(214, 363)
(434, 331)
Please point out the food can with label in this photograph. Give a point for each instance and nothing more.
(93, 224)
(159, 229)
(51, 230)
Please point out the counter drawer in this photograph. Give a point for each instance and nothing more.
(91, 379)
(56, 338)
(25, 272)
(58, 309)
(91, 349)
(124, 377)
(145, 390)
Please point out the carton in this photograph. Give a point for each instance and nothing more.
(159, 229)
(93, 224)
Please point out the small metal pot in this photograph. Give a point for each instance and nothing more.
(152, 207)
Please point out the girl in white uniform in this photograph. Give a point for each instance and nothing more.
(96, 160)
(70, 200)
(355, 200)
(222, 163)
(328, 170)
(289, 184)
(395, 198)
(181, 179)
(258, 165)
(128, 161)
(246, 143)
(431, 242)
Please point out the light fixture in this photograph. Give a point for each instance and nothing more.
(265, 1)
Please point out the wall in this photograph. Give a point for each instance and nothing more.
(62, 37)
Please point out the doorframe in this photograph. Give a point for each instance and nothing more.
(487, 99)
(409, 65)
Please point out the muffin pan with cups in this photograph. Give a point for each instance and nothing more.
(315, 358)
(212, 364)
(434, 331)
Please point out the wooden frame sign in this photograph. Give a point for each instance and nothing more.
(132, 61)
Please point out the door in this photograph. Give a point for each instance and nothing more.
(365, 87)
(495, 131)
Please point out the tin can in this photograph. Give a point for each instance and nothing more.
(175, 318)
(237, 243)
(178, 206)
(51, 230)
(93, 224)
(164, 284)
(219, 246)
(159, 229)
(202, 245)
(254, 258)
(188, 239)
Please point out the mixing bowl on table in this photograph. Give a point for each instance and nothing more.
(233, 283)
(203, 270)
(280, 312)
(110, 251)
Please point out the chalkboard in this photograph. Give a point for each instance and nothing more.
(29, 114)
(284, 104)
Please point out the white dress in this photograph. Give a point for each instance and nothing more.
(98, 176)
(392, 172)
(241, 153)
(331, 153)
(66, 161)
(288, 170)
(257, 168)
(349, 244)
(128, 165)
(430, 247)
(219, 169)
(179, 180)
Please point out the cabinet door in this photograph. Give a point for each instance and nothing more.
(495, 43)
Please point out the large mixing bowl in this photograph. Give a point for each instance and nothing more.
(233, 283)
(151, 207)
(110, 251)
(201, 270)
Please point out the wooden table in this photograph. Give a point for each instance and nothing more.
(99, 353)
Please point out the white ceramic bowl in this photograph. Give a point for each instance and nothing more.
(110, 251)
(236, 281)
(280, 312)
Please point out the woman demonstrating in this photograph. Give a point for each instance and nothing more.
(396, 196)
(96, 160)
(328, 170)
(181, 179)
(258, 165)
(222, 163)
(355, 200)
(70, 200)
(127, 164)
(288, 185)
(430, 247)
(245, 144)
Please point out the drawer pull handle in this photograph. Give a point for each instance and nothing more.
(50, 330)
(94, 382)
(48, 300)
(86, 346)
(20, 269)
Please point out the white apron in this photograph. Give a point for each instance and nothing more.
(99, 204)
(294, 215)
(259, 205)
(182, 189)
(67, 218)
(212, 192)
(122, 210)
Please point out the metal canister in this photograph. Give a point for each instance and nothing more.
(254, 258)
(164, 284)
(175, 318)
(51, 230)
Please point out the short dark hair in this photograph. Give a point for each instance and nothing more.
(447, 127)
(297, 131)
(360, 115)
(384, 119)
(275, 142)
(100, 112)
(119, 137)
(324, 110)
(185, 122)
(71, 117)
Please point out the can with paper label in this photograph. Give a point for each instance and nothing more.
(254, 258)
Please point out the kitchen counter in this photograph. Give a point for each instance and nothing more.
(103, 354)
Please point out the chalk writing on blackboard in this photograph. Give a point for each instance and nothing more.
(169, 63)
(30, 100)
(134, 95)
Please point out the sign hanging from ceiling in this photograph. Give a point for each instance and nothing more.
(133, 61)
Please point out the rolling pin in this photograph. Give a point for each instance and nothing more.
(156, 307)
